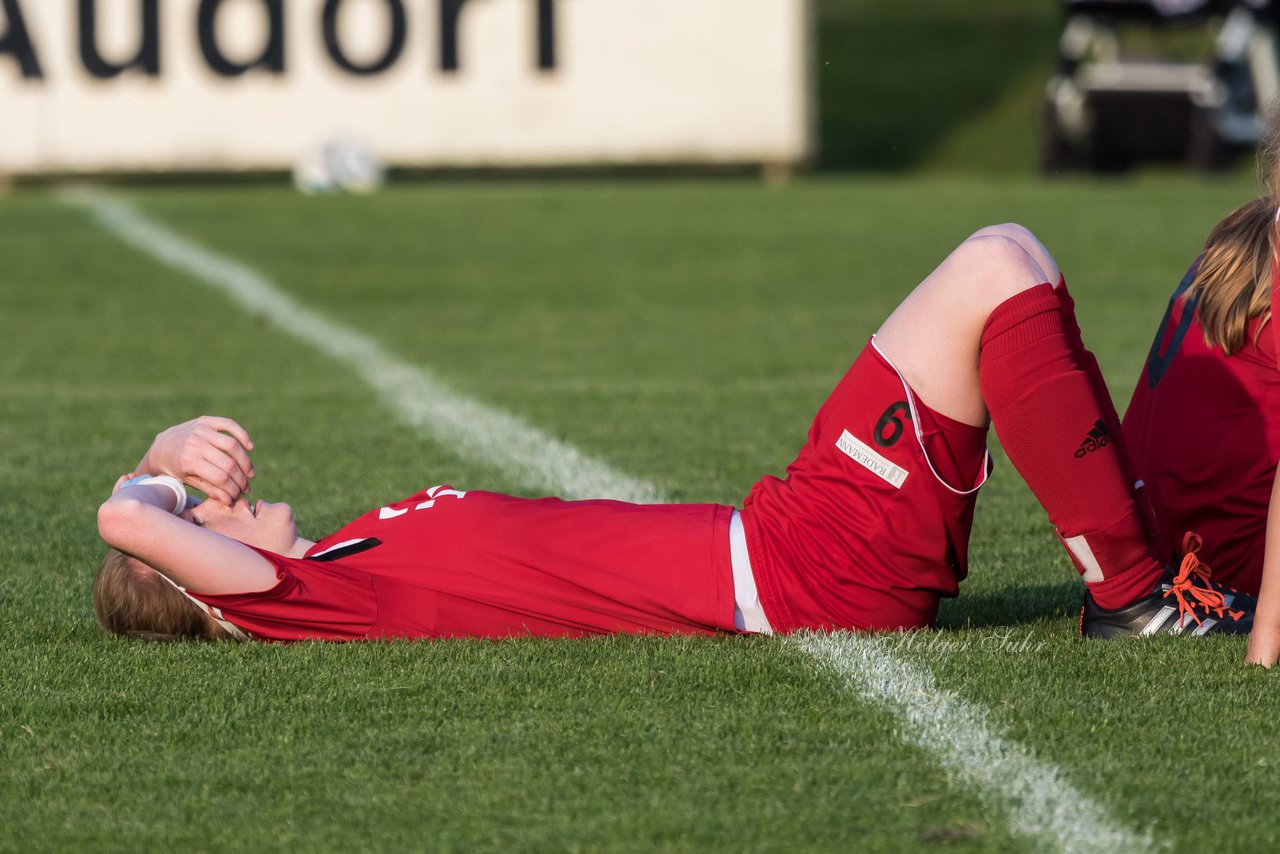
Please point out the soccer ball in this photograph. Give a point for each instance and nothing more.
(338, 166)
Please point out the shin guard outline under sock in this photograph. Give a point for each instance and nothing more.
(1053, 426)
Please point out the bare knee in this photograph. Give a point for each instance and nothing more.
(1030, 244)
(989, 268)
(1020, 234)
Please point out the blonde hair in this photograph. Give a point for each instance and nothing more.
(1233, 280)
(130, 598)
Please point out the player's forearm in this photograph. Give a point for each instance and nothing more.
(128, 510)
(152, 461)
(146, 466)
(1264, 640)
(163, 492)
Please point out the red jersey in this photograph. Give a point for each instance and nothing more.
(1203, 429)
(445, 563)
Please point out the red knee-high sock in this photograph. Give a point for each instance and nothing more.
(1053, 423)
(1141, 497)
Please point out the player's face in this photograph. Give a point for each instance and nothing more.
(267, 526)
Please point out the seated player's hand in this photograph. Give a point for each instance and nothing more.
(208, 453)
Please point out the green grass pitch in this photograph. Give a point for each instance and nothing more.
(683, 332)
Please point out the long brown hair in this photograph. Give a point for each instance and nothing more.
(130, 598)
(1239, 263)
(1233, 280)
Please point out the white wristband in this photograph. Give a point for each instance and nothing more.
(179, 492)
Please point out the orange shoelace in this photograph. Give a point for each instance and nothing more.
(1185, 586)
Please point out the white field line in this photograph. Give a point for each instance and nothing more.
(530, 457)
(1040, 804)
(1038, 801)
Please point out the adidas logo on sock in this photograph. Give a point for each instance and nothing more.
(1099, 437)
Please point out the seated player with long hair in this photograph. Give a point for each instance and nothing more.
(1203, 425)
(867, 531)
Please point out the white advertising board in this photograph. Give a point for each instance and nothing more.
(141, 85)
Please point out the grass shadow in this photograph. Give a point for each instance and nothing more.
(1008, 606)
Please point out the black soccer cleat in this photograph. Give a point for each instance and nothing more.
(1186, 603)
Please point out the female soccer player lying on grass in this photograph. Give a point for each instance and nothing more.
(868, 529)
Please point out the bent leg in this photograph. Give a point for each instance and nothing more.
(934, 336)
(986, 335)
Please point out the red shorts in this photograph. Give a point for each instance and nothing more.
(871, 524)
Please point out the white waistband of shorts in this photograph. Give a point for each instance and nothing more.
(748, 615)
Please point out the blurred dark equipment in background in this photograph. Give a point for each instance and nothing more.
(1180, 80)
